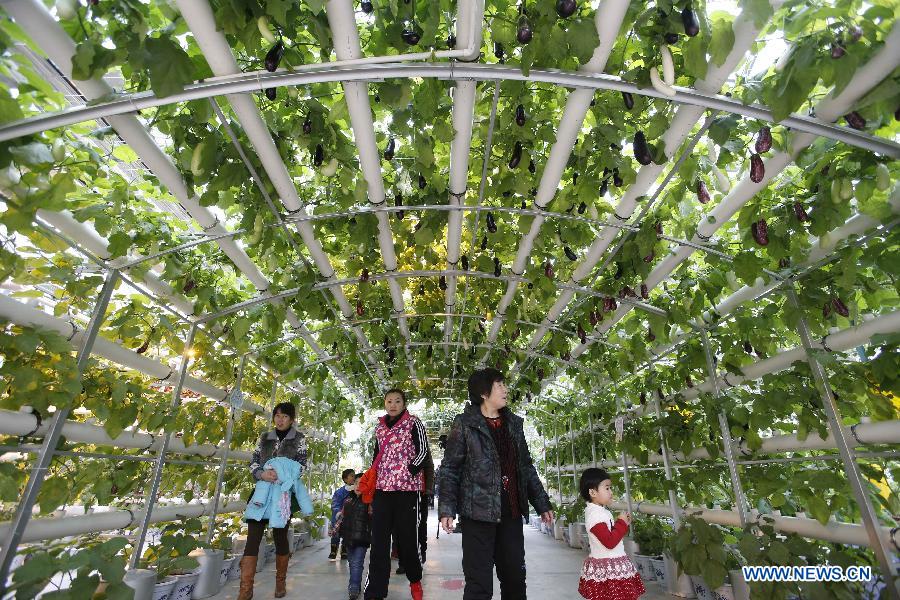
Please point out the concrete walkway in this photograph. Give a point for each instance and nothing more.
(553, 570)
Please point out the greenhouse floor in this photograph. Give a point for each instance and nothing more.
(553, 570)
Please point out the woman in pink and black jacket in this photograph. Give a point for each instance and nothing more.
(401, 451)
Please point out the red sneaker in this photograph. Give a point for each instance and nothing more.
(416, 590)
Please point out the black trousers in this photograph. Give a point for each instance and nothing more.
(487, 544)
(394, 513)
(423, 528)
(255, 531)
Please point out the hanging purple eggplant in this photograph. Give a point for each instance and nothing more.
(390, 149)
(641, 149)
(516, 157)
(274, 56)
(763, 140)
(628, 99)
(855, 120)
(760, 231)
(520, 116)
(702, 193)
(690, 22)
(757, 168)
(524, 33)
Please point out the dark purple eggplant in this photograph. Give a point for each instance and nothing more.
(671, 37)
(826, 310)
(498, 51)
(360, 310)
(690, 22)
(570, 254)
(411, 36)
(617, 179)
(390, 149)
(839, 307)
(451, 41)
(651, 337)
(582, 334)
(581, 208)
(548, 269)
(364, 276)
(784, 263)
(702, 192)
(566, 8)
(271, 93)
(520, 116)
(422, 182)
(188, 286)
(491, 223)
(837, 50)
(465, 262)
(628, 99)
(641, 149)
(496, 267)
(594, 318)
(659, 228)
(763, 140)
(619, 272)
(645, 293)
(318, 155)
(524, 33)
(307, 126)
(442, 283)
(604, 187)
(516, 157)
(760, 231)
(800, 213)
(532, 168)
(649, 258)
(273, 56)
(757, 168)
(567, 356)
(855, 120)
(856, 33)
(367, 7)
(747, 347)
(609, 303)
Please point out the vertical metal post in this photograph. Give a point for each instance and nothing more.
(854, 477)
(625, 474)
(51, 439)
(558, 477)
(673, 501)
(593, 439)
(229, 429)
(740, 501)
(574, 466)
(161, 455)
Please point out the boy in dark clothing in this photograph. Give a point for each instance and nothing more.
(354, 523)
(337, 502)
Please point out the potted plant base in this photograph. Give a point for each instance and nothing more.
(575, 530)
(642, 563)
(142, 581)
(739, 585)
(210, 572)
(234, 571)
(184, 585)
(162, 590)
(677, 585)
(703, 591)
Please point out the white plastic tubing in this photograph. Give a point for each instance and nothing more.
(686, 117)
(40, 25)
(61, 527)
(829, 109)
(882, 432)
(24, 423)
(834, 531)
(199, 17)
(608, 20)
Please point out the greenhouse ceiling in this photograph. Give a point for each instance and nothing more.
(360, 195)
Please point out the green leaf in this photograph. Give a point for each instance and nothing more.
(759, 10)
(583, 39)
(170, 66)
(722, 39)
(33, 154)
(694, 52)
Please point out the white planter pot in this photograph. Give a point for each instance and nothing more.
(163, 589)
(631, 547)
(703, 591)
(184, 585)
(575, 530)
(642, 563)
(738, 585)
(307, 539)
(585, 542)
(675, 585)
(211, 562)
(270, 552)
(234, 572)
(658, 566)
(238, 543)
(142, 581)
(558, 529)
(223, 572)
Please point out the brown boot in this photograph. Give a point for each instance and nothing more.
(281, 565)
(248, 572)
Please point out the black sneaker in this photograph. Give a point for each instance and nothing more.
(400, 570)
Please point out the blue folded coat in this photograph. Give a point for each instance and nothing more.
(272, 501)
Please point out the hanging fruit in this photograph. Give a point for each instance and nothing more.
(491, 223)
(882, 177)
(367, 7)
(496, 267)
(364, 276)
(763, 140)
(837, 50)
(651, 337)
(548, 269)
(359, 307)
(855, 120)
(442, 283)
(609, 303)
(617, 179)
(671, 37)
(307, 126)
(581, 208)
(757, 168)
(421, 289)
(641, 149)
(594, 318)
(422, 182)
(570, 254)
(271, 93)
(668, 65)
(702, 192)
(532, 168)
(839, 307)
(760, 231)
(262, 24)
(747, 347)
(273, 56)
(318, 155)
(567, 356)
(566, 8)
(398, 201)
(582, 334)
(389, 150)
(484, 243)
(520, 116)
(465, 262)
(826, 310)
(524, 32)
(451, 41)
(410, 36)
(628, 99)
(645, 293)
(659, 228)
(619, 272)
(690, 22)
(498, 51)
(604, 187)
(516, 156)
(800, 213)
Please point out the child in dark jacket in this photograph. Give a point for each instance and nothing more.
(355, 526)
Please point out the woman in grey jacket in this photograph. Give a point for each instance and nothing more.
(284, 441)
(487, 477)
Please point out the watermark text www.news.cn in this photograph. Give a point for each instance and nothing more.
(807, 573)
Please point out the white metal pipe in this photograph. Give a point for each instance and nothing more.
(21, 314)
(834, 531)
(62, 527)
(25, 423)
(608, 20)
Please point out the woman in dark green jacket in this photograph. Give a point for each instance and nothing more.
(487, 477)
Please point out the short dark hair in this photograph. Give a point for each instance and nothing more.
(346, 472)
(396, 391)
(285, 408)
(481, 382)
(591, 480)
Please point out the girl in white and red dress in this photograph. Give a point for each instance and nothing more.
(608, 573)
